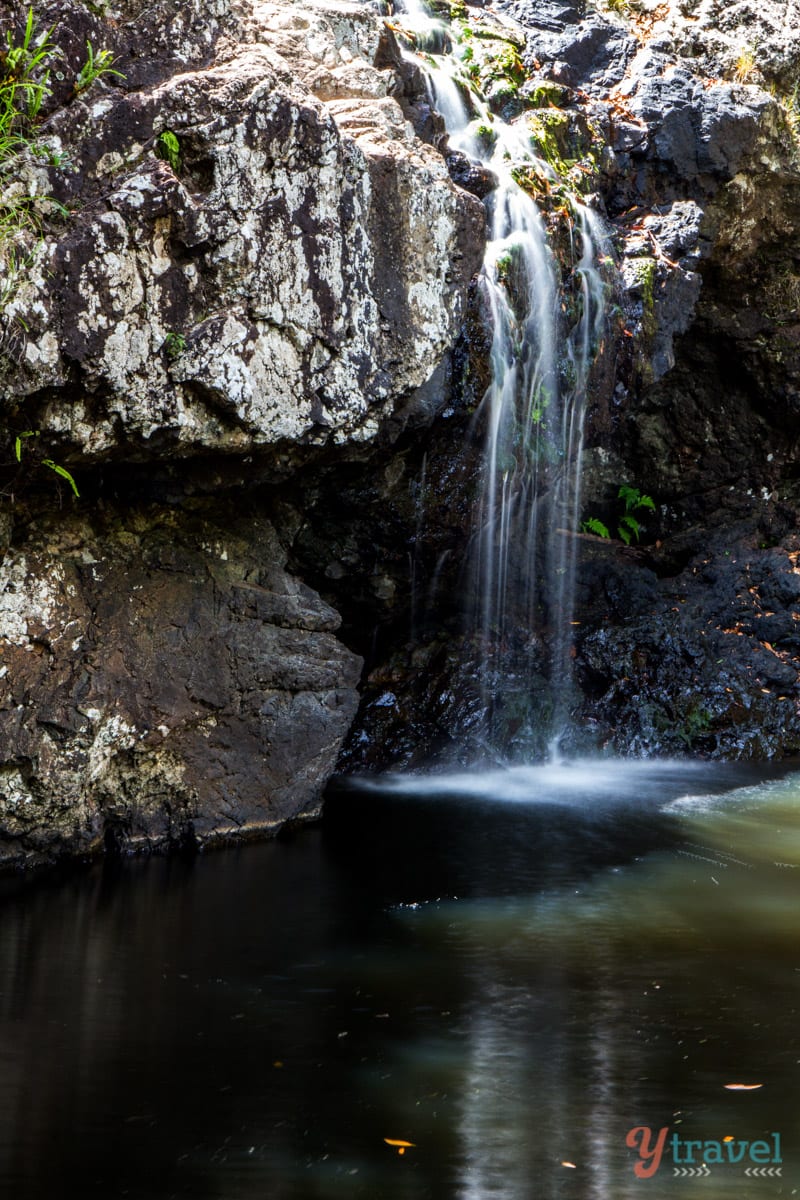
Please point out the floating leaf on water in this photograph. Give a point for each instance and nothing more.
(569, 1164)
(743, 1087)
(400, 1145)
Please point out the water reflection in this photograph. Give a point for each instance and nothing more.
(509, 986)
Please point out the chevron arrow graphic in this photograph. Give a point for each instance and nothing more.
(763, 1171)
(691, 1171)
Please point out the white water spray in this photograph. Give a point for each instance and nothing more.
(533, 412)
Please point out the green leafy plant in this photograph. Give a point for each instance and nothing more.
(169, 148)
(174, 344)
(628, 527)
(593, 525)
(95, 66)
(24, 85)
(62, 472)
(633, 501)
(25, 65)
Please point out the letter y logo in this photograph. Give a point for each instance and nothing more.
(639, 1139)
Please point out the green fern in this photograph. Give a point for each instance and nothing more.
(592, 525)
(63, 472)
(628, 528)
(633, 499)
(95, 66)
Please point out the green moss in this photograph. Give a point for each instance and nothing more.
(501, 93)
(550, 135)
(645, 269)
(688, 725)
(546, 94)
(486, 137)
(492, 35)
(782, 296)
(509, 64)
(502, 71)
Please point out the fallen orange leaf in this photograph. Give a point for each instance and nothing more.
(399, 1144)
(743, 1087)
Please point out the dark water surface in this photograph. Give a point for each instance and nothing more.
(508, 970)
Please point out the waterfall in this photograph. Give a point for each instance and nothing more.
(522, 559)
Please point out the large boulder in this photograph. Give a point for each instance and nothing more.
(294, 270)
(164, 681)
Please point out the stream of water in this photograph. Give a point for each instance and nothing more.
(511, 973)
(524, 558)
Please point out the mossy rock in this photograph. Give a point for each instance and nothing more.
(543, 93)
(486, 136)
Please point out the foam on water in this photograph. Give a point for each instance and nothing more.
(565, 781)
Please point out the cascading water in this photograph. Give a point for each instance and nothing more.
(523, 557)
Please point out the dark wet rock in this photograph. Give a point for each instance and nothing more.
(574, 43)
(470, 175)
(696, 670)
(165, 681)
(698, 131)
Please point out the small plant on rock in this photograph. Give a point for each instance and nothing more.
(174, 344)
(745, 65)
(24, 85)
(62, 472)
(628, 526)
(169, 148)
(95, 66)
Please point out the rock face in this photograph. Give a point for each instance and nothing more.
(164, 681)
(294, 271)
(204, 313)
(686, 642)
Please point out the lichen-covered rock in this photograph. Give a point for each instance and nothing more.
(749, 40)
(296, 271)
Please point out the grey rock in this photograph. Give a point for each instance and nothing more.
(574, 43)
(307, 239)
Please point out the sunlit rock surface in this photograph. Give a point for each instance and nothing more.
(297, 272)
